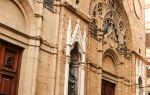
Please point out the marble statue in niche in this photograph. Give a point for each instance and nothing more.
(140, 85)
(73, 71)
(121, 34)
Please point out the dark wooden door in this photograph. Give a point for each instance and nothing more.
(10, 59)
(108, 88)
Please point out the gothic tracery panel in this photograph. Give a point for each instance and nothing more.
(113, 22)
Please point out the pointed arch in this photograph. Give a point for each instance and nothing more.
(75, 49)
(117, 14)
(111, 53)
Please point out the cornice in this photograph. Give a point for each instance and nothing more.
(141, 57)
(42, 41)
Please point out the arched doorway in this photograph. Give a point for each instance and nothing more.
(115, 42)
(109, 73)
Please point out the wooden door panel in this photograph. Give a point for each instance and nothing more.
(10, 61)
(7, 84)
(2, 50)
(108, 88)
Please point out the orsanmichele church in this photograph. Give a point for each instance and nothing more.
(72, 47)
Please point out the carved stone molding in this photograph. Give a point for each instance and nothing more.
(109, 17)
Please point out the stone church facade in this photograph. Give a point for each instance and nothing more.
(72, 47)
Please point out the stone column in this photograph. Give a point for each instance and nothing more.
(67, 69)
(82, 79)
(66, 75)
(82, 75)
(68, 47)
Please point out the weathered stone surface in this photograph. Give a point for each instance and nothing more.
(42, 32)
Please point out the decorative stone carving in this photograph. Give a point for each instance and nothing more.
(75, 55)
(109, 17)
(93, 27)
(74, 71)
(121, 37)
(97, 10)
(111, 3)
(94, 12)
(100, 9)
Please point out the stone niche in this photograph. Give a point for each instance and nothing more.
(12, 16)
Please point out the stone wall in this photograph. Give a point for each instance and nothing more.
(42, 32)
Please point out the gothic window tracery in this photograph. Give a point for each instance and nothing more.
(100, 9)
(111, 3)
(94, 12)
(110, 20)
(93, 27)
